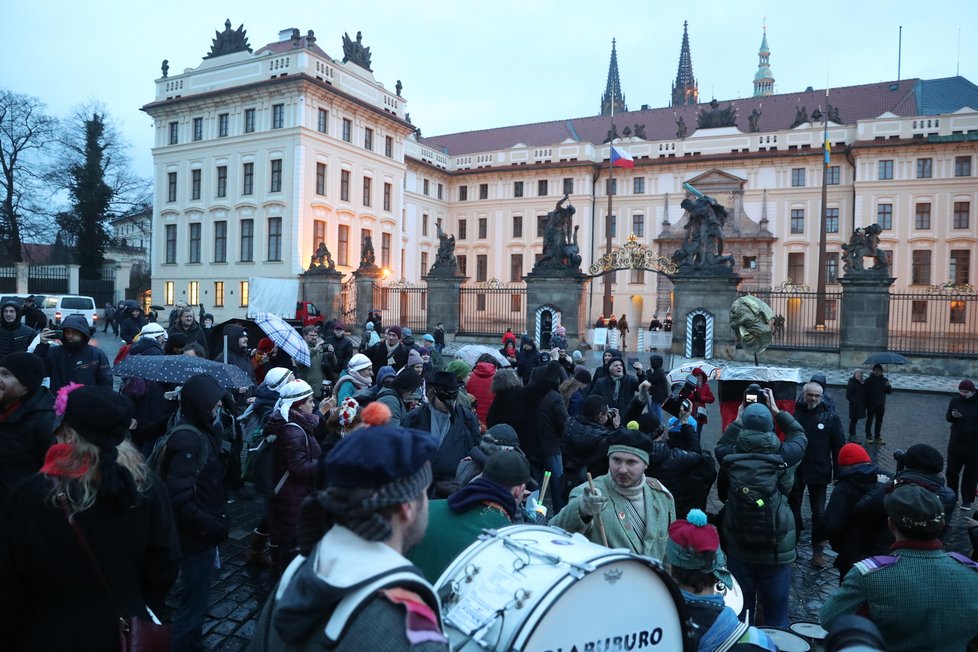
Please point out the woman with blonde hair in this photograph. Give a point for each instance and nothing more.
(90, 538)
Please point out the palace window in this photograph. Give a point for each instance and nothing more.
(276, 176)
(278, 116)
(884, 216)
(194, 242)
(925, 168)
(275, 238)
(920, 267)
(320, 178)
(962, 212)
(921, 218)
(797, 220)
(222, 125)
(220, 241)
(886, 170)
(248, 179)
(517, 189)
(797, 177)
(247, 241)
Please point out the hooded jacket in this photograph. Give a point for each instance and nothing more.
(298, 615)
(195, 333)
(26, 433)
(298, 452)
(83, 364)
(193, 470)
(527, 359)
(15, 337)
(480, 387)
(130, 326)
(540, 418)
(659, 380)
(237, 355)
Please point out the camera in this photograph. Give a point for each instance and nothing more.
(327, 388)
(900, 456)
(753, 394)
(679, 401)
(855, 633)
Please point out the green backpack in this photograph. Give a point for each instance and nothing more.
(753, 513)
(157, 459)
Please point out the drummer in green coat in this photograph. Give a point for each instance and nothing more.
(487, 503)
(634, 511)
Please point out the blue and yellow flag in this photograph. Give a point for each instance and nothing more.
(828, 153)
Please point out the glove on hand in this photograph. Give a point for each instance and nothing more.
(592, 501)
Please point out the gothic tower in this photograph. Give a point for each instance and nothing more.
(764, 78)
(613, 97)
(684, 89)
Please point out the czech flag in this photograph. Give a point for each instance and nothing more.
(621, 159)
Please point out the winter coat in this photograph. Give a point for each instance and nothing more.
(851, 537)
(856, 395)
(527, 359)
(342, 349)
(237, 355)
(85, 365)
(193, 334)
(602, 371)
(480, 387)
(537, 413)
(701, 397)
(462, 435)
(507, 407)
(313, 374)
(687, 472)
(964, 430)
(298, 453)
(870, 511)
(52, 598)
(147, 396)
(876, 388)
(392, 399)
(627, 390)
(659, 380)
(130, 327)
(379, 357)
(14, 337)
(26, 433)
(736, 440)
(34, 317)
(826, 438)
(585, 447)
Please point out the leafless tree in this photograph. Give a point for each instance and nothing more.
(25, 132)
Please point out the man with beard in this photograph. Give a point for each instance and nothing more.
(188, 326)
(342, 349)
(75, 361)
(14, 336)
(389, 351)
(356, 590)
(632, 511)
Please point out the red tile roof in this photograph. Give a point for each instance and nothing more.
(281, 47)
(777, 113)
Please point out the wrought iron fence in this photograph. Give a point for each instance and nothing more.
(488, 309)
(403, 304)
(8, 279)
(795, 322)
(101, 289)
(47, 279)
(942, 321)
(348, 303)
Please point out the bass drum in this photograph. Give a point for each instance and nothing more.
(541, 589)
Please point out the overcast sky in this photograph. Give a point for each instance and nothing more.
(475, 65)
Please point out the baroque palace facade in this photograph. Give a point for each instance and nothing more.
(260, 156)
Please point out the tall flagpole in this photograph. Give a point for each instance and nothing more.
(822, 255)
(609, 277)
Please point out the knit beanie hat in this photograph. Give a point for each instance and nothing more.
(394, 329)
(633, 442)
(503, 434)
(414, 358)
(758, 417)
(25, 367)
(358, 362)
(923, 457)
(966, 385)
(853, 454)
(460, 368)
(265, 345)
(582, 375)
(695, 545)
(507, 468)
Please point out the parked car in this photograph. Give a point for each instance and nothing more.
(59, 306)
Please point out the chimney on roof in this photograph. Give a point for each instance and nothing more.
(646, 107)
(285, 34)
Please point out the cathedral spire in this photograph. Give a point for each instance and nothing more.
(764, 78)
(613, 97)
(684, 89)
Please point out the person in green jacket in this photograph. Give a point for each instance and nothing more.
(488, 502)
(919, 596)
(628, 509)
(749, 442)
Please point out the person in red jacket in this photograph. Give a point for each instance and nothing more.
(701, 397)
(480, 385)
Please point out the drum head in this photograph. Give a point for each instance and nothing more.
(732, 595)
(811, 631)
(786, 641)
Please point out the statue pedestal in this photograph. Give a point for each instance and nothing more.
(709, 296)
(444, 300)
(322, 287)
(865, 318)
(562, 294)
(365, 279)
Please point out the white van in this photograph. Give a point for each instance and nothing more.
(59, 306)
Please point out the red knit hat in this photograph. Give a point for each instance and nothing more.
(694, 533)
(265, 345)
(853, 454)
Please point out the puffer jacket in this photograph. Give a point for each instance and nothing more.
(825, 439)
(85, 365)
(851, 537)
(298, 453)
(26, 432)
(480, 387)
(15, 337)
(687, 471)
(736, 440)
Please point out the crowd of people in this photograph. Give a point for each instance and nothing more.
(380, 461)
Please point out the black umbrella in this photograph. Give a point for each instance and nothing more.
(178, 368)
(215, 335)
(886, 357)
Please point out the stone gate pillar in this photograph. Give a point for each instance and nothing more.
(564, 290)
(710, 295)
(365, 279)
(444, 300)
(322, 287)
(865, 320)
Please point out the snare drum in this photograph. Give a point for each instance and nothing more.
(812, 632)
(733, 597)
(786, 641)
(531, 587)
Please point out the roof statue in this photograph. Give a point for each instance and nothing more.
(446, 264)
(640, 131)
(229, 41)
(356, 52)
(702, 248)
(684, 89)
(561, 252)
(165, 68)
(716, 117)
(681, 129)
(754, 119)
(613, 100)
(801, 117)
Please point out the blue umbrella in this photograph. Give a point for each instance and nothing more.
(886, 357)
(178, 368)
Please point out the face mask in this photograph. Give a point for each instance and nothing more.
(446, 397)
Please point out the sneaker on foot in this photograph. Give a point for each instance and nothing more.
(965, 507)
(869, 441)
(880, 442)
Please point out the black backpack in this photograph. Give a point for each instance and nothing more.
(753, 513)
(157, 459)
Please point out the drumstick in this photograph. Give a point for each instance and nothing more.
(543, 485)
(597, 517)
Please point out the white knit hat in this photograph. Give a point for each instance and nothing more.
(276, 378)
(153, 329)
(358, 362)
(295, 391)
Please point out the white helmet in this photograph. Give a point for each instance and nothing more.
(276, 378)
(295, 391)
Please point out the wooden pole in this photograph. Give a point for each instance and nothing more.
(597, 517)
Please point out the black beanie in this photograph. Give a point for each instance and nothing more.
(922, 457)
(99, 414)
(25, 367)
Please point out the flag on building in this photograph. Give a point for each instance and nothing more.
(621, 159)
(828, 153)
